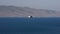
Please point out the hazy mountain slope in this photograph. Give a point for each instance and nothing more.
(12, 11)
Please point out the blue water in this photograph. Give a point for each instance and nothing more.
(30, 25)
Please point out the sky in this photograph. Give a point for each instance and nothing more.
(38, 4)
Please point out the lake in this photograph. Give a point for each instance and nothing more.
(14, 25)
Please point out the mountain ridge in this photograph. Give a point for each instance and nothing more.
(13, 11)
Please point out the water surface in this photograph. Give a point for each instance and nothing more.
(29, 25)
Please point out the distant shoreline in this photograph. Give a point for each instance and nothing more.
(28, 17)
